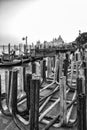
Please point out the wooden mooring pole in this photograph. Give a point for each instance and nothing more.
(28, 78)
(48, 67)
(81, 112)
(9, 49)
(20, 49)
(9, 86)
(37, 104)
(24, 78)
(85, 70)
(14, 92)
(0, 93)
(33, 68)
(56, 72)
(63, 108)
(43, 70)
(81, 105)
(79, 85)
(34, 104)
(3, 49)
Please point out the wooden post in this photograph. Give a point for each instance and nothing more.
(20, 49)
(84, 111)
(30, 68)
(24, 83)
(38, 69)
(24, 49)
(30, 49)
(85, 70)
(6, 80)
(37, 87)
(53, 62)
(77, 69)
(20, 80)
(83, 84)
(32, 105)
(60, 66)
(33, 67)
(6, 84)
(43, 70)
(0, 93)
(15, 47)
(66, 64)
(76, 57)
(9, 50)
(28, 78)
(48, 67)
(9, 87)
(3, 48)
(14, 92)
(63, 109)
(56, 72)
(81, 112)
(79, 85)
(72, 69)
(86, 80)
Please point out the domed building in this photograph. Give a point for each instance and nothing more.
(58, 42)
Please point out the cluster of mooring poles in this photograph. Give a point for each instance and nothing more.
(51, 91)
(9, 53)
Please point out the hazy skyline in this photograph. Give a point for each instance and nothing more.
(41, 20)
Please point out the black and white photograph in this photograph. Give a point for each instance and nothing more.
(43, 64)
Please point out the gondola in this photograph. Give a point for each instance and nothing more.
(6, 64)
(19, 62)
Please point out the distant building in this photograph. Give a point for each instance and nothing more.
(54, 43)
(58, 42)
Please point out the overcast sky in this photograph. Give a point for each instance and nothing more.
(41, 20)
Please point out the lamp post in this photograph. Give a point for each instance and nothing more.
(25, 38)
